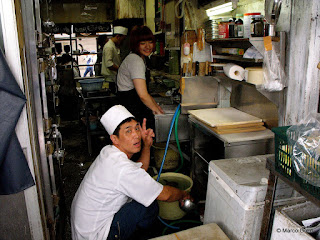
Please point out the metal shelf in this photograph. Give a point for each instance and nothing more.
(227, 40)
(237, 58)
(80, 54)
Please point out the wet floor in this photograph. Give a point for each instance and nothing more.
(76, 162)
(75, 165)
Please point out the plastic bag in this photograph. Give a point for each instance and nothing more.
(273, 73)
(252, 53)
(305, 142)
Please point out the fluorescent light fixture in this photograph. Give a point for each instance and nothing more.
(227, 7)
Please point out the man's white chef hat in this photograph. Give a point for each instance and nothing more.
(113, 117)
(120, 30)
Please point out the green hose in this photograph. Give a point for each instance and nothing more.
(177, 140)
(181, 221)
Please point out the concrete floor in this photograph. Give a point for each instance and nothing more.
(76, 163)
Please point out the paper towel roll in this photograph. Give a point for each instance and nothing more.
(234, 71)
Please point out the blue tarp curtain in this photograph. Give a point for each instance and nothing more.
(15, 175)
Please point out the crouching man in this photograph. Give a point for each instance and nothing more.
(117, 195)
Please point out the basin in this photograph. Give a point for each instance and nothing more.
(172, 210)
(163, 123)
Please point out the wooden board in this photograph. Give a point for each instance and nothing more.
(247, 125)
(216, 117)
(238, 130)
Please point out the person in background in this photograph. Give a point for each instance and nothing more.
(90, 61)
(101, 41)
(66, 58)
(117, 196)
(132, 80)
(111, 56)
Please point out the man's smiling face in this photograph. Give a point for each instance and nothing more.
(129, 140)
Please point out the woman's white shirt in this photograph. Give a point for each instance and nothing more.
(132, 67)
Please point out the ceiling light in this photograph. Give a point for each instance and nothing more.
(227, 7)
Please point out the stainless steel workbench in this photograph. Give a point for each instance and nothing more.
(106, 101)
(207, 145)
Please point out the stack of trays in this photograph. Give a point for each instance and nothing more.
(211, 29)
(228, 120)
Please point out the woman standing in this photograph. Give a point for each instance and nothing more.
(131, 79)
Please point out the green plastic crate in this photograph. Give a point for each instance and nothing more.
(283, 162)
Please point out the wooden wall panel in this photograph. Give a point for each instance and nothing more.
(303, 56)
(130, 9)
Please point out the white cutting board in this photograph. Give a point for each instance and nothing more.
(215, 117)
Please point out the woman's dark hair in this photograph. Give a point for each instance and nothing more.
(139, 34)
(116, 131)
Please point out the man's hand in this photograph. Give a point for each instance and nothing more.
(147, 135)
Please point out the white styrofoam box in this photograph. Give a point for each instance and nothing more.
(287, 223)
(236, 192)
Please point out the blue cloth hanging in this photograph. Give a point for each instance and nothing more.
(15, 175)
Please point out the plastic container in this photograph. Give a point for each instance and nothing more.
(283, 162)
(239, 26)
(236, 192)
(247, 23)
(282, 153)
(231, 28)
(170, 83)
(254, 75)
(174, 62)
(223, 27)
(89, 85)
(257, 26)
(287, 223)
(158, 47)
(172, 210)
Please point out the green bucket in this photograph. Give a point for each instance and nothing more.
(172, 210)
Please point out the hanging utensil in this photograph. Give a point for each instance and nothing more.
(276, 10)
(272, 12)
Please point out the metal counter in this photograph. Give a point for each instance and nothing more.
(206, 145)
(234, 144)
